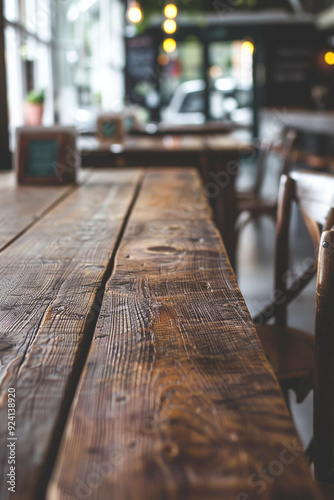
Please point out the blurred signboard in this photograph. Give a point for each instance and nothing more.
(141, 74)
(290, 68)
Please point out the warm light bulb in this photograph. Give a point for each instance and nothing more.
(248, 46)
(135, 14)
(329, 58)
(169, 26)
(169, 45)
(170, 10)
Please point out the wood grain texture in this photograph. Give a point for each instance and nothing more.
(177, 401)
(21, 206)
(49, 280)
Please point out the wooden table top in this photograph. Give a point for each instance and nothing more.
(166, 143)
(210, 127)
(310, 122)
(144, 143)
(128, 343)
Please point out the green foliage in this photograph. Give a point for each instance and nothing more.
(36, 97)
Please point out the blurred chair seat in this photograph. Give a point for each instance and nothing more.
(257, 206)
(251, 202)
(327, 490)
(290, 352)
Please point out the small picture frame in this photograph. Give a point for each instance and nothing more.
(46, 156)
(110, 128)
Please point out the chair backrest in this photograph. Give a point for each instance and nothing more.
(314, 194)
(284, 149)
(323, 420)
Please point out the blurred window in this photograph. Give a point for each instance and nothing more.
(231, 72)
(90, 60)
(11, 11)
(28, 46)
(81, 74)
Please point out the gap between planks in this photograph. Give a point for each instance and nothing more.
(82, 357)
(40, 212)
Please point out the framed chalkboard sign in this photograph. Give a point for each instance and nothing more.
(46, 156)
(110, 128)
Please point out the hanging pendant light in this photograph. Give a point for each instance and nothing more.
(134, 13)
(169, 26)
(169, 45)
(170, 10)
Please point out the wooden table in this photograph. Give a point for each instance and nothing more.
(184, 150)
(136, 368)
(312, 122)
(210, 127)
(216, 158)
(315, 143)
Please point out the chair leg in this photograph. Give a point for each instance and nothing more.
(237, 230)
(309, 454)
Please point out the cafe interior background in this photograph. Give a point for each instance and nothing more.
(252, 63)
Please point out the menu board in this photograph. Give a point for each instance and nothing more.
(141, 68)
(42, 154)
(289, 74)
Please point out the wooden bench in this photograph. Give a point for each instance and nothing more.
(136, 367)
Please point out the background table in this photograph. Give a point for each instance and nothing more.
(210, 127)
(315, 141)
(127, 340)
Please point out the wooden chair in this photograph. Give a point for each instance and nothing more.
(323, 422)
(251, 203)
(290, 350)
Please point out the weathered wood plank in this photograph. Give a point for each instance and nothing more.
(50, 281)
(20, 206)
(177, 401)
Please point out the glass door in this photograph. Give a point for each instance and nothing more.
(230, 77)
